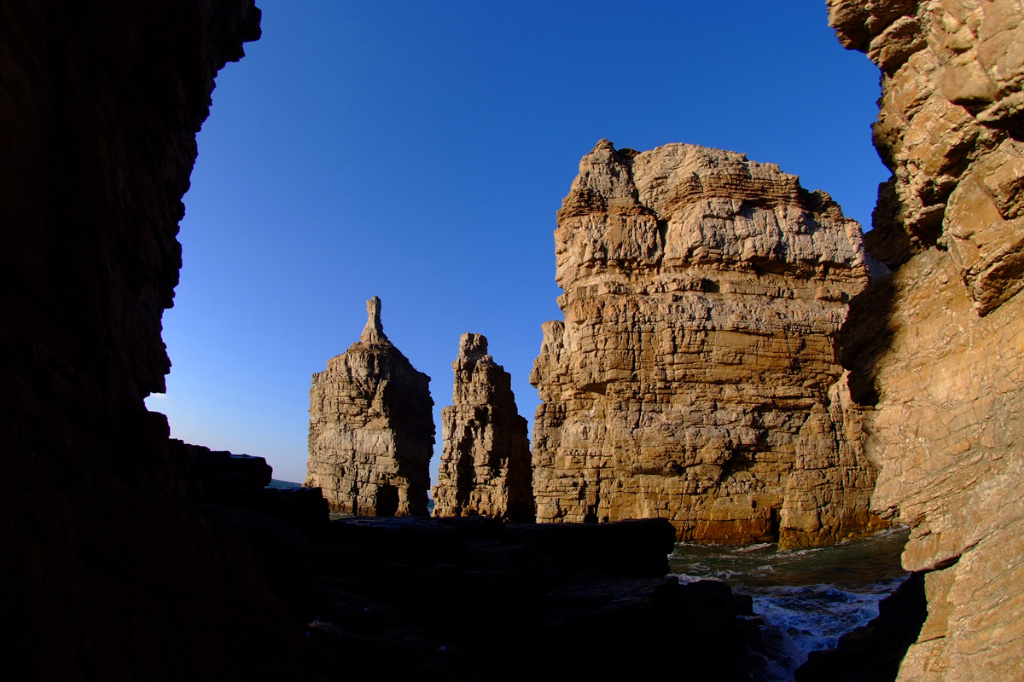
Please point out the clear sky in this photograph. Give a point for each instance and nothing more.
(418, 151)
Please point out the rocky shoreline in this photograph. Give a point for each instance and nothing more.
(386, 597)
(129, 555)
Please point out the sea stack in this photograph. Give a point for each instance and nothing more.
(485, 466)
(696, 375)
(371, 431)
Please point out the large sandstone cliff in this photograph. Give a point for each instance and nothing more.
(485, 465)
(696, 376)
(371, 431)
(938, 349)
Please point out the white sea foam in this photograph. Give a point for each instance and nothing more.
(807, 598)
(752, 548)
(799, 620)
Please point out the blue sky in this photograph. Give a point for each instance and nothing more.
(418, 151)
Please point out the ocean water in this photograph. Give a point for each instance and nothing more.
(806, 598)
(284, 485)
(289, 485)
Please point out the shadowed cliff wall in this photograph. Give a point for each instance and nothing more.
(102, 101)
(106, 572)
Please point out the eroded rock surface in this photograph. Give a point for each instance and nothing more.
(371, 431)
(939, 348)
(696, 377)
(485, 465)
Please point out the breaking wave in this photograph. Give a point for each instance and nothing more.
(806, 599)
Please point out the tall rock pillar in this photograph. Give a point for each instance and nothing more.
(371, 431)
(485, 466)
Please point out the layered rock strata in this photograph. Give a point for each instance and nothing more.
(938, 352)
(371, 430)
(696, 376)
(485, 465)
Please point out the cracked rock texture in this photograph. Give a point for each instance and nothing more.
(485, 465)
(371, 431)
(696, 375)
(938, 349)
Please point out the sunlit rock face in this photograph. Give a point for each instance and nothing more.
(939, 347)
(485, 465)
(371, 431)
(696, 376)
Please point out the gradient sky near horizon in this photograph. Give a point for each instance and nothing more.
(418, 151)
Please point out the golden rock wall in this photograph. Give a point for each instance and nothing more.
(696, 375)
(938, 352)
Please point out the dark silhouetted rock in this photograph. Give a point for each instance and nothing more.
(635, 547)
(107, 570)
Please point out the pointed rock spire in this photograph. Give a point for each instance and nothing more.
(373, 332)
(371, 428)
